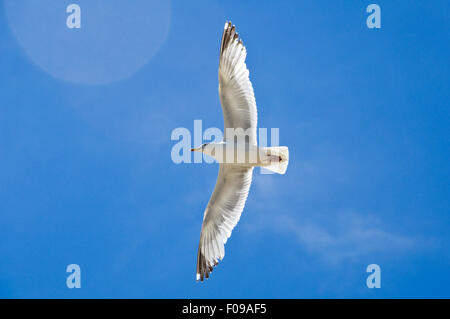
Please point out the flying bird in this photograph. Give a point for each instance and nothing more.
(237, 154)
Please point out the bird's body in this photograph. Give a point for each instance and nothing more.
(237, 154)
(240, 154)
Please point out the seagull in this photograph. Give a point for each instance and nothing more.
(235, 167)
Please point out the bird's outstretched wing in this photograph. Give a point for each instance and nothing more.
(235, 89)
(221, 215)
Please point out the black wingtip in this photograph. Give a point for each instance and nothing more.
(229, 36)
(204, 269)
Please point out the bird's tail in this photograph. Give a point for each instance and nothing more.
(279, 159)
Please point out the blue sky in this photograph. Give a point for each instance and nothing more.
(86, 175)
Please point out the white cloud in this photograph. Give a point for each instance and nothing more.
(334, 235)
(344, 236)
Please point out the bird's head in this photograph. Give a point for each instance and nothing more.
(200, 149)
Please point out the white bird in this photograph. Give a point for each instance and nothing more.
(235, 173)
